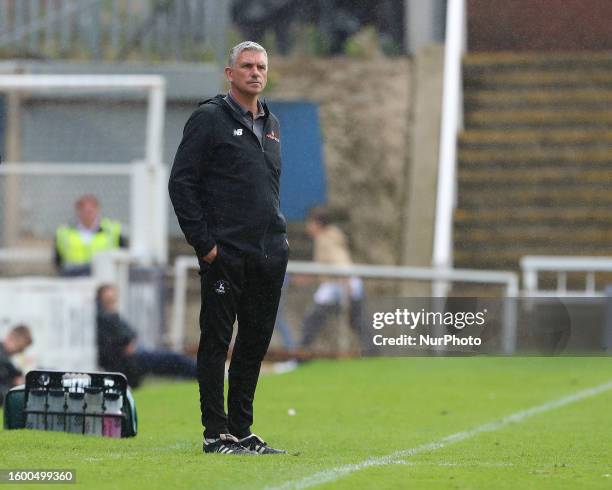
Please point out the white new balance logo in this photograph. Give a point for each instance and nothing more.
(238, 132)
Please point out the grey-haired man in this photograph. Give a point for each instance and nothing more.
(225, 186)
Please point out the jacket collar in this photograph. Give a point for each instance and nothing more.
(220, 100)
(234, 104)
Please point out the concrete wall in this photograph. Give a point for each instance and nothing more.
(421, 182)
(364, 106)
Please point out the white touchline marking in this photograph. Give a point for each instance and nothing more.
(333, 474)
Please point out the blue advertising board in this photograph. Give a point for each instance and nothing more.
(303, 183)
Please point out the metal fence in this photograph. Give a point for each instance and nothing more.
(533, 266)
(508, 280)
(33, 193)
(153, 30)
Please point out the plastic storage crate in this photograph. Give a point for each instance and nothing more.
(92, 403)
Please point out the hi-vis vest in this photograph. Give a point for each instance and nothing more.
(73, 250)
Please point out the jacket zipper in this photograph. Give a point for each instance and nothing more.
(265, 252)
(239, 121)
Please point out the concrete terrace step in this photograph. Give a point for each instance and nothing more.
(512, 215)
(509, 259)
(513, 138)
(514, 250)
(537, 196)
(511, 60)
(533, 235)
(594, 78)
(528, 176)
(559, 98)
(532, 157)
(538, 118)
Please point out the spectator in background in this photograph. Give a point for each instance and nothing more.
(76, 245)
(330, 247)
(118, 350)
(281, 326)
(335, 21)
(16, 341)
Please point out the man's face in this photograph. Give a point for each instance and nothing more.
(109, 300)
(14, 344)
(250, 73)
(87, 212)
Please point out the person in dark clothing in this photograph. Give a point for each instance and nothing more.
(224, 186)
(17, 340)
(256, 18)
(118, 350)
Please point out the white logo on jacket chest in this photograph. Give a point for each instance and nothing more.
(238, 132)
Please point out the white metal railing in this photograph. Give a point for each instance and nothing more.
(508, 279)
(62, 311)
(141, 240)
(532, 265)
(26, 255)
(151, 225)
(111, 266)
(450, 125)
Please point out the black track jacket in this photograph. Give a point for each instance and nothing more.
(224, 185)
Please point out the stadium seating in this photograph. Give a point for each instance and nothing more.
(535, 158)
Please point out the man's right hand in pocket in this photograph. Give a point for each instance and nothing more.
(210, 256)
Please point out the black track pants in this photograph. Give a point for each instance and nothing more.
(246, 287)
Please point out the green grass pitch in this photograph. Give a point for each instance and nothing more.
(351, 412)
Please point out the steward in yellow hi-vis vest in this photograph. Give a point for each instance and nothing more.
(76, 245)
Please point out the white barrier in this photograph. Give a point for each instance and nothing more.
(451, 124)
(140, 302)
(148, 234)
(61, 316)
(141, 242)
(532, 265)
(509, 279)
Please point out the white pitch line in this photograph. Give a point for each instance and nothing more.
(333, 474)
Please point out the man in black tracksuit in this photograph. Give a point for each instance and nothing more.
(224, 186)
(16, 341)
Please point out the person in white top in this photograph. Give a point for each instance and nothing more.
(330, 247)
